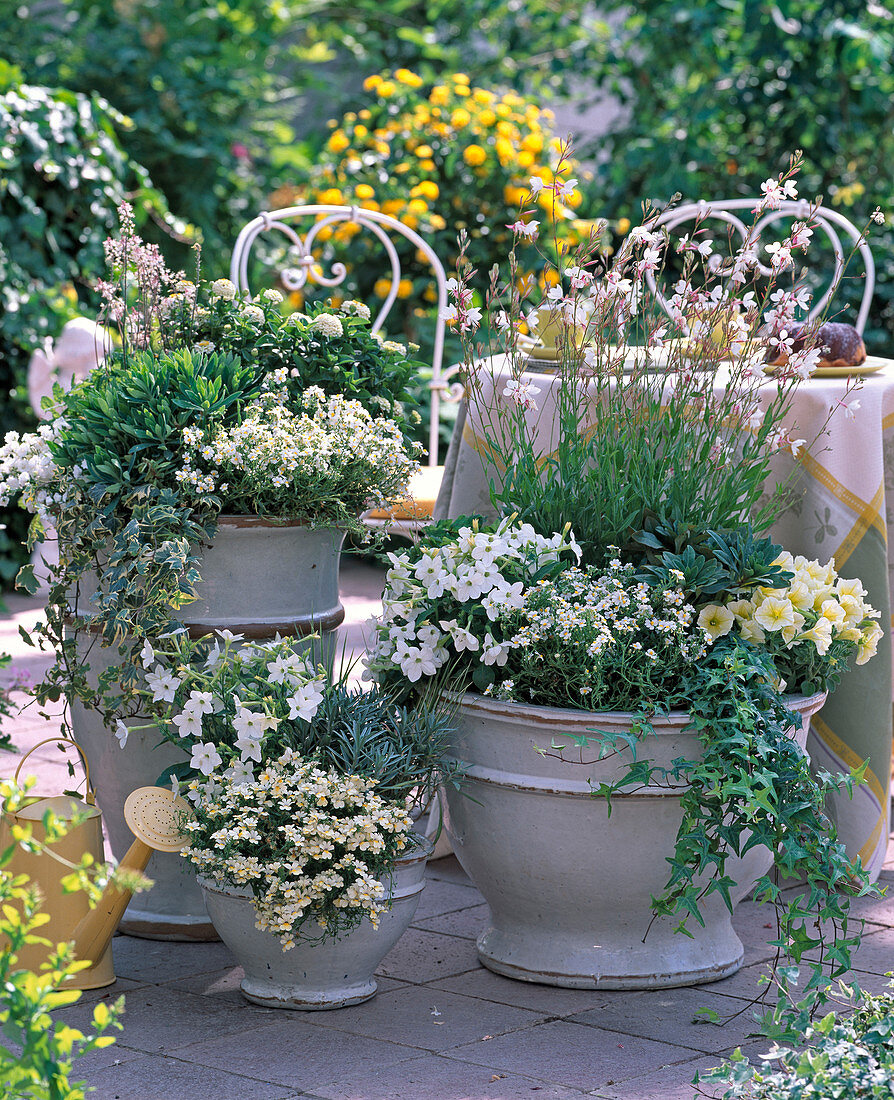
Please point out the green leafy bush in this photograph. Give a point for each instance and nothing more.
(719, 95)
(63, 175)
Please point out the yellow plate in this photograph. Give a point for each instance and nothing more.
(871, 365)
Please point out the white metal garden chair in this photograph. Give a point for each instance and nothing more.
(302, 267)
(833, 224)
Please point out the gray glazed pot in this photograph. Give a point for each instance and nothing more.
(259, 579)
(567, 885)
(314, 976)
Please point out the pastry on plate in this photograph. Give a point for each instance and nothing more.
(840, 345)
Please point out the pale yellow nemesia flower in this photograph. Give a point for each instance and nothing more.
(716, 620)
(775, 613)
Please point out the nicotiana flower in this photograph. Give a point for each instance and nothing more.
(205, 758)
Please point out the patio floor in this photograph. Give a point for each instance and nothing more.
(441, 1025)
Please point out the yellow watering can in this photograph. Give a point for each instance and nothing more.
(152, 813)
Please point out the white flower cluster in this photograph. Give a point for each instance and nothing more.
(275, 451)
(27, 471)
(817, 608)
(598, 625)
(429, 598)
(221, 712)
(303, 839)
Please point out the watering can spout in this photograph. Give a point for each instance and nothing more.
(155, 816)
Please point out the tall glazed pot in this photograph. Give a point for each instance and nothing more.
(259, 579)
(568, 886)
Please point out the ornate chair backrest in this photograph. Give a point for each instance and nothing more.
(833, 224)
(301, 268)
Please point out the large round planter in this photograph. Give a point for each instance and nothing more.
(568, 886)
(259, 579)
(334, 973)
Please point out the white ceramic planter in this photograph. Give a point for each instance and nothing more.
(312, 976)
(259, 579)
(567, 885)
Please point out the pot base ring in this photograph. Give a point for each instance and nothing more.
(272, 995)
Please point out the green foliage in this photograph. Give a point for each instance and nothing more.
(196, 81)
(131, 539)
(36, 1051)
(842, 1055)
(718, 95)
(368, 733)
(752, 787)
(734, 562)
(63, 174)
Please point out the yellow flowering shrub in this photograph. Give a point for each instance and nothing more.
(440, 158)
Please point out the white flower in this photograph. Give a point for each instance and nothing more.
(286, 668)
(328, 325)
(121, 732)
(272, 295)
(462, 638)
(147, 655)
(416, 661)
(358, 309)
(249, 747)
(163, 684)
(877, 216)
(205, 758)
(239, 772)
(522, 392)
(565, 190)
(306, 701)
(250, 723)
(223, 288)
(199, 702)
(494, 652)
(535, 183)
(253, 313)
(189, 724)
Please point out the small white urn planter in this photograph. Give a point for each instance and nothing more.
(333, 973)
(568, 886)
(259, 578)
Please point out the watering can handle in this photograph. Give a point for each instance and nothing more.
(89, 797)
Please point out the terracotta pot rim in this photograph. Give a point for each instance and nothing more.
(555, 715)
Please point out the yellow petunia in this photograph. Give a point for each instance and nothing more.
(364, 191)
(405, 288)
(439, 95)
(460, 118)
(487, 117)
(474, 155)
(372, 82)
(386, 88)
(775, 613)
(424, 151)
(382, 288)
(717, 620)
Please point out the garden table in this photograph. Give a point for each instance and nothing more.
(841, 506)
